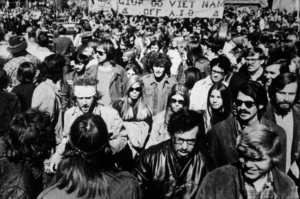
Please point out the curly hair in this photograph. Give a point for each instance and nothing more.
(185, 120)
(31, 137)
(160, 60)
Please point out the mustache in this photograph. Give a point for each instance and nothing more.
(243, 111)
(289, 103)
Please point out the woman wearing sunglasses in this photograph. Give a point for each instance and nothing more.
(136, 115)
(178, 99)
(218, 105)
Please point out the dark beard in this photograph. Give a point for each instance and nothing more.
(282, 111)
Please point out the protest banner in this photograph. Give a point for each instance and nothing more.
(171, 8)
(99, 5)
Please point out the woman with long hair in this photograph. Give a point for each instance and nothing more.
(218, 105)
(135, 113)
(195, 58)
(191, 76)
(133, 68)
(178, 99)
(87, 169)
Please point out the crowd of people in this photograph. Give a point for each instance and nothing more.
(140, 107)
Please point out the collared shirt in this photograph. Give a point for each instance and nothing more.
(267, 191)
(157, 92)
(12, 66)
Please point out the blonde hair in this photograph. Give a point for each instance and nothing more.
(259, 141)
(140, 108)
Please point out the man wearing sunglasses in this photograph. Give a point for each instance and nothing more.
(176, 167)
(251, 102)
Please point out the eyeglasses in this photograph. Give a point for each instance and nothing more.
(137, 89)
(174, 101)
(248, 104)
(101, 53)
(217, 72)
(181, 141)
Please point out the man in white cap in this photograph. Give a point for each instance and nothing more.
(86, 97)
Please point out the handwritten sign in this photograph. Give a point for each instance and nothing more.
(171, 8)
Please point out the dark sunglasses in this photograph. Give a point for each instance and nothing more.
(248, 104)
(137, 89)
(101, 53)
(175, 101)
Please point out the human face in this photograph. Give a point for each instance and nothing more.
(251, 29)
(253, 63)
(271, 72)
(177, 102)
(85, 103)
(135, 91)
(184, 143)
(174, 43)
(101, 54)
(239, 29)
(130, 72)
(217, 74)
(131, 40)
(215, 99)
(158, 71)
(285, 99)
(117, 36)
(246, 108)
(154, 48)
(79, 67)
(125, 58)
(185, 31)
(255, 168)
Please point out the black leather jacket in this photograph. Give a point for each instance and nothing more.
(156, 171)
(19, 181)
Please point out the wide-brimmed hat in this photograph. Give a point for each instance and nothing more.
(16, 44)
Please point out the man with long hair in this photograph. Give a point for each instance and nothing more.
(282, 110)
(159, 83)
